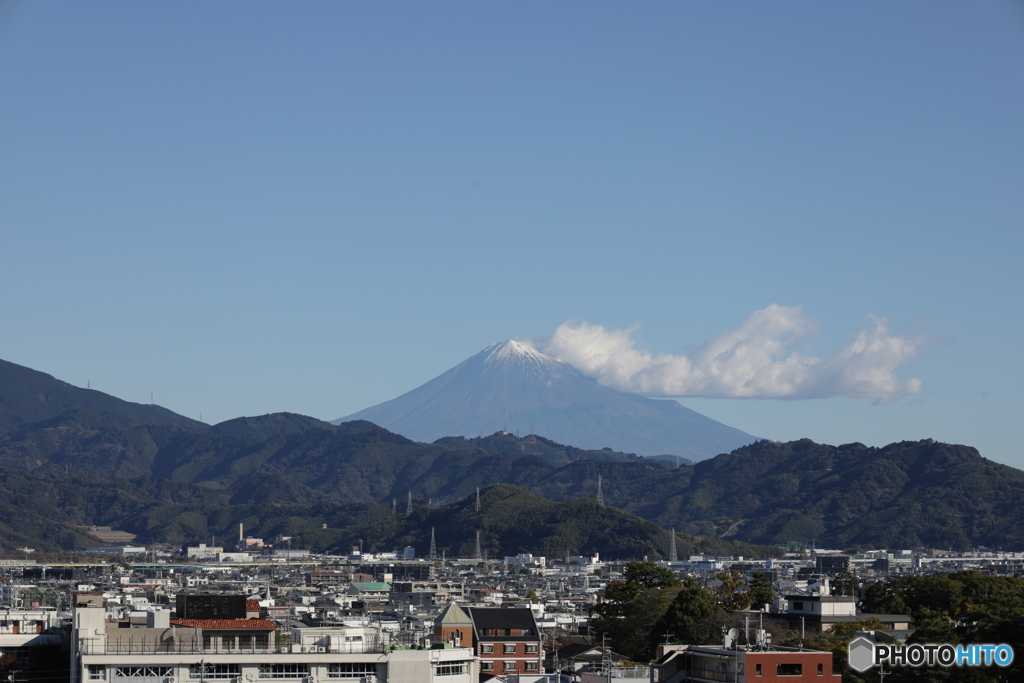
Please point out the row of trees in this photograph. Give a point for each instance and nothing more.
(651, 605)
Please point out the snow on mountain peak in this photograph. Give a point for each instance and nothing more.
(516, 351)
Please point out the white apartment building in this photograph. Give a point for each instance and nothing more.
(247, 651)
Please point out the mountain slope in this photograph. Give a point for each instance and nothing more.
(28, 396)
(511, 386)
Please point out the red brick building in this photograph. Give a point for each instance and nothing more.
(686, 663)
(507, 640)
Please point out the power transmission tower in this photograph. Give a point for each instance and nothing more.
(600, 494)
(433, 546)
(478, 499)
(478, 555)
(672, 549)
(394, 506)
(408, 506)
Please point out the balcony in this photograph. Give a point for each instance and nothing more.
(99, 646)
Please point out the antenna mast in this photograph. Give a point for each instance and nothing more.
(433, 546)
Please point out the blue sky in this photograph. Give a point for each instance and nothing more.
(255, 207)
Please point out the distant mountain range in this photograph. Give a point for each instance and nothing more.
(513, 387)
(71, 458)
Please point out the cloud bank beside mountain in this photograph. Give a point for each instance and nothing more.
(753, 360)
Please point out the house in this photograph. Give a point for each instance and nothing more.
(506, 640)
(817, 613)
(686, 663)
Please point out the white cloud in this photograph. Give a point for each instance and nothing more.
(752, 360)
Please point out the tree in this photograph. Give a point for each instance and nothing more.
(532, 595)
(631, 608)
(649, 575)
(845, 584)
(760, 591)
(684, 614)
(731, 591)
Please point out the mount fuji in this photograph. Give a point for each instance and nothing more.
(513, 387)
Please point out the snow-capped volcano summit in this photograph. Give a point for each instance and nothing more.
(513, 386)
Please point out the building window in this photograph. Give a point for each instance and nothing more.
(798, 605)
(487, 666)
(821, 669)
(451, 669)
(757, 669)
(531, 666)
(97, 672)
(510, 648)
(245, 642)
(284, 670)
(486, 648)
(123, 672)
(789, 670)
(203, 671)
(351, 669)
(510, 666)
(531, 648)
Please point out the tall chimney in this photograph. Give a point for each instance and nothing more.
(240, 532)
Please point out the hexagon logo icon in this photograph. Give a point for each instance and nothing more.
(861, 654)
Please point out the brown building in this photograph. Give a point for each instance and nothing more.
(686, 663)
(507, 640)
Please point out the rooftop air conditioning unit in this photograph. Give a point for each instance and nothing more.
(322, 648)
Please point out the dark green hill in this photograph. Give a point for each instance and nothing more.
(905, 495)
(28, 396)
(45, 508)
(547, 450)
(264, 427)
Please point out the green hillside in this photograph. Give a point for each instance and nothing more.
(908, 494)
(28, 396)
(45, 508)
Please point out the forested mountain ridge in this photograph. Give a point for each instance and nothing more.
(46, 508)
(907, 494)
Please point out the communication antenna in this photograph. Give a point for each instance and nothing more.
(479, 555)
(600, 494)
(433, 546)
(408, 506)
(478, 501)
(672, 548)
